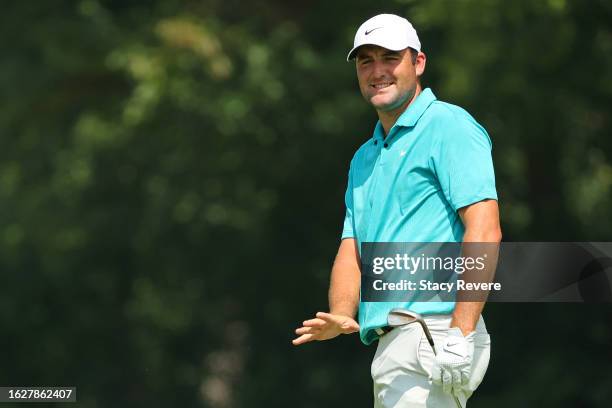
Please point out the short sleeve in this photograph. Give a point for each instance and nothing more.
(463, 163)
(348, 229)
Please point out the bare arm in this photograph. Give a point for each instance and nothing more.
(345, 280)
(344, 287)
(481, 222)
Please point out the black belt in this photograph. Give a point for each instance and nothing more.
(381, 331)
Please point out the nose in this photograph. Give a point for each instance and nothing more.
(378, 69)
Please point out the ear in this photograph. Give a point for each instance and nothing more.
(420, 63)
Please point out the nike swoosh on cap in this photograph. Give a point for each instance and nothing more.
(369, 31)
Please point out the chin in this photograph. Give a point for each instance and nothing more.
(382, 102)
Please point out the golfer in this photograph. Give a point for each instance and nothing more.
(425, 175)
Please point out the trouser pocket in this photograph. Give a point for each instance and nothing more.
(398, 351)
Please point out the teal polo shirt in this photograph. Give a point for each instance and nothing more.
(408, 187)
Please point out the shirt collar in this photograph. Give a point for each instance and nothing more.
(416, 109)
(379, 133)
(411, 115)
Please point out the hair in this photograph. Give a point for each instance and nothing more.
(413, 54)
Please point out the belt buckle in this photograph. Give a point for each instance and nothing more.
(381, 331)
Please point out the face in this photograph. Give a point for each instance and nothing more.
(387, 79)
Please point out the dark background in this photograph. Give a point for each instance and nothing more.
(171, 191)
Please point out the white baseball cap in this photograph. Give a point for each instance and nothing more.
(389, 31)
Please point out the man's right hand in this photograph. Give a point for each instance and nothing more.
(324, 327)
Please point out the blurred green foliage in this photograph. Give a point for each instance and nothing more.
(172, 177)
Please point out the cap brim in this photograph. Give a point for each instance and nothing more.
(353, 53)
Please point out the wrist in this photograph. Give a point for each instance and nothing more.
(465, 330)
(343, 309)
(341, 312)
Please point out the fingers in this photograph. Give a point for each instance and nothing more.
(323, 327)
(452, 381)
(440, 376)
(458, 388)
(307, 330)
(447, 381)
(314, 323)
(456, 380)
(305, 338)
(327, 317)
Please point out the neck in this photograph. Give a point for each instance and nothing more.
(388, 118)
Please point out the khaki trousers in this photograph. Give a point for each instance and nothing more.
(403, 360)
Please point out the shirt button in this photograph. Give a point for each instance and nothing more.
(386, 145)
(375, 142)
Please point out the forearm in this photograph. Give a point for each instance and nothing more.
(469, 306)
(345, 281)
(466, 315)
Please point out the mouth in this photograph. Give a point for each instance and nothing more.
(381, 85)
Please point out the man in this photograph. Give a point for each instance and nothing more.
(426, 175)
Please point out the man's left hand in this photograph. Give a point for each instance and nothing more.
(452, 366)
